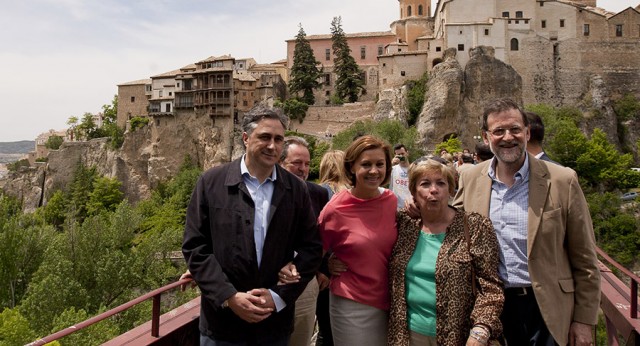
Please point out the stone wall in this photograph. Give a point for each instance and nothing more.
(322, 121)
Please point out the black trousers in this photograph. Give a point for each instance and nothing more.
(325, 338)
(521, 319)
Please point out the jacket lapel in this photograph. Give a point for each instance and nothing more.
(482, 193)
(538, 192)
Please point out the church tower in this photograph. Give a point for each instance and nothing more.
(413, 22)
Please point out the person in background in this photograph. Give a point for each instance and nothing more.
(359, 226)
(244, 222)
(332, 175)
(548, 261)
(483, 152)
(534, 146)
(464, 162)
(296, 159)
(444, 253)
(399, 182)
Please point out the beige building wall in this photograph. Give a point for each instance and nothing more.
(396, 69)
(133, 100)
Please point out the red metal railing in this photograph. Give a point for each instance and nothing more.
(155, 317)
(619, 303)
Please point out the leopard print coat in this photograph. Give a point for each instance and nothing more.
(456, 309)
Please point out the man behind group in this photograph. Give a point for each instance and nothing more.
(534, 146)
(541, 218)
(245, 221)
(399, 182)
(296, 159)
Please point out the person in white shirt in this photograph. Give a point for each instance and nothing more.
(399, 182)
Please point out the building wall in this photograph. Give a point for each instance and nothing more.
(132, 101)
(395, 70)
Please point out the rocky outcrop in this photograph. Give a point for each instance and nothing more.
(597, 108)
(455, 96)
(392, 104)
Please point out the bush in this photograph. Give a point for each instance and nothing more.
(53, 142)
(627, 108)
(138, 122)
(415, 97)
(14, 167)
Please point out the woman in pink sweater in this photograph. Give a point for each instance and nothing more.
(359, 227)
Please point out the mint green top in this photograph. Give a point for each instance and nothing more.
(420, 283)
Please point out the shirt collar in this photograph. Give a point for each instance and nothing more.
(245, 171)
(523, 172)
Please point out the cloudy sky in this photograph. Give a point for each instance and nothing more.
(62, 58)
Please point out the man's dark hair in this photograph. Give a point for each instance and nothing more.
(536, 126)
(498, 106)
(467, 158)
(483, 152)
(399, 146)
(259, 112)
(292, 140)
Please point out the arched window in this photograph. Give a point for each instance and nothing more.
(419, 10)
(514, 44)
(409, 11)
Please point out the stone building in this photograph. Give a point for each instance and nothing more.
(133, 100)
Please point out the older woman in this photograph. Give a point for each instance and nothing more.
(359, 226)
(433, 264)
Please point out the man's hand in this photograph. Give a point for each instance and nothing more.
(580, 334)
(250, 307)
(323, 281)
(266, 300)
(187, 275)
(413, 210)
(288, 274)
(336, 266)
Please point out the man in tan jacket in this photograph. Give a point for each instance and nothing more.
(547, 261)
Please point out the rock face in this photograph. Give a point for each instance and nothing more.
(392, 104)
(455, 97)
(149, 156)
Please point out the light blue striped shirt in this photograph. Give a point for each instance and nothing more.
(508, 213)
(261, 195)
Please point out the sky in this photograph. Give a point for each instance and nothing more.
(63, 58)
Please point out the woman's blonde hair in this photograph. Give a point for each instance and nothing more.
(332, 170)
(432, 164)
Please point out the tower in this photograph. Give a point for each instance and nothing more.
(414, 8)
(414, 15)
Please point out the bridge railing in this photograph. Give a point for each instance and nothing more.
(155, 295)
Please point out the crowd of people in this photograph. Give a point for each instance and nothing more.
(492, 247)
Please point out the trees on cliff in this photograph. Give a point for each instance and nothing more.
(349, 82)
(304, 72)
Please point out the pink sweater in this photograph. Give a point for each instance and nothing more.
(361, 233)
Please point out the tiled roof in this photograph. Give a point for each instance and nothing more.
(216, 58)
(353, 35)
(137, 82)
(167, 74)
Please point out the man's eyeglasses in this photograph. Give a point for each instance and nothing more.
(500, 132)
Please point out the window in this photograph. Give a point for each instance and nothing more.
(380, 50)
(514, 44)
(409, 11)
(327, 79)
(244, 103)
(562, 23)
(486, 32)
(170, 93)
(505, 14)
(461, 47)
(519, 14)
(402, 73)
(327, 93)
(420, 10)
(543, 24)
(327, 54)
(159, 93)
(585, 29)
(133, 99)
(619, 30)
(167, 108)
(438, 49)
(158, 122)
(363, 52)
(541, 3)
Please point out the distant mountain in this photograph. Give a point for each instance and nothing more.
(20, 147)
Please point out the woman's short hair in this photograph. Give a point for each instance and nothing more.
(360, 145)
(430, 164)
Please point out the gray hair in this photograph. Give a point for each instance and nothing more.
(292, 140)
(259, 112)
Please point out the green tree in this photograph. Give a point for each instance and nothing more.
(14, 329)
(349, 82)
(415, 97)
(73, 127)
(601, 165)
(294, 108)
(80, 188)
(138, 122)
(392, 131)
(304, 72)
(93, 335)
(453, 144)
(53, 142)
(87, 129)
(627, 108)
(105, 196)
(56, 208)
(110, 126)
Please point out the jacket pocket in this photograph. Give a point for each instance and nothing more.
(567, 285)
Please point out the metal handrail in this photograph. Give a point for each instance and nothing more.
(155, 317)
(633, 297)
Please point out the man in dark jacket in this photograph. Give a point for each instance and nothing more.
(245, 221)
